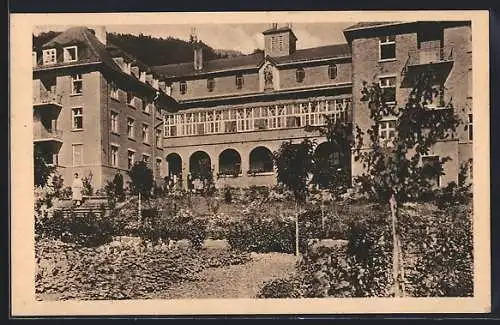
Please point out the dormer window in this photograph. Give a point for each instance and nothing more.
(70, 54)
(182, 87)
(239, 81)
(49, 56)
(210, 84)
(300, 74)
(332, 71)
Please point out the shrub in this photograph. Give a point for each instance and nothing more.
(142, 179)
(281, 288)
(86, 229)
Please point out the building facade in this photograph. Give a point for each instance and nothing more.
(96, 108)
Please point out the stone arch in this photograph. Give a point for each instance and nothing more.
(174, 163)
(200, 165)
(261, 160)
(229, 162)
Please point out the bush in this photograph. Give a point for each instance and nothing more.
(262, 234)
(281, 288)
(87, 229)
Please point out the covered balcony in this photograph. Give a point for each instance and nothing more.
(435, 60)
(46, 99)
(42, 134)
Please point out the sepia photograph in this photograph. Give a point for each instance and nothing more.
(281, 157)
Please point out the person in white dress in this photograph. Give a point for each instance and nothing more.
(77, 189)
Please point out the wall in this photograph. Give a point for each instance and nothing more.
(314, 76)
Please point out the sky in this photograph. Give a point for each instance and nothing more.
(241, 37)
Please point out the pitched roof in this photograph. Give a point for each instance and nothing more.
(277, 30)
(253, 61)
(187, 69)
(315, 53)
(364, 25)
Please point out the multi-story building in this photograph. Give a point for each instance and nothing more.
(94, 109)
(393, 54)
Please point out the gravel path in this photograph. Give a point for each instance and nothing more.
(236, 281)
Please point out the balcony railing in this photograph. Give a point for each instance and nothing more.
(430, 55)
(43, 134)
(45, 97)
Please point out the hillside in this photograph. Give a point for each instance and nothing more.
(150, 50)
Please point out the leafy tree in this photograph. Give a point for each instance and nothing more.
(42, 169)
(393, 166)
(118, 187)
(142, 179)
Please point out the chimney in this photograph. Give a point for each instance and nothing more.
(100, 33)
(275, 26)
(197, 51)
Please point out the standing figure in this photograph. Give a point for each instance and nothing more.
(77, 189)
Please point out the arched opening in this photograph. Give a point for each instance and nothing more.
(174, 163)
(261, 160)
(331, 166)
(200, 165)
(229, 163)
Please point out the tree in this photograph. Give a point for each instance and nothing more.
(329, 171)
(294, 164)
(42, 170)
(393, 169)
(118, 187)
(142, 179)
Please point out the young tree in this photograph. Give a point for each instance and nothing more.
(142, 179)
(393, 170)
(42, 170)
(294, 164)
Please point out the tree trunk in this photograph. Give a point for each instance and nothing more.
(395, 248)
(297, 250)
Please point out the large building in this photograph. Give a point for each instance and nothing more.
(94, 109)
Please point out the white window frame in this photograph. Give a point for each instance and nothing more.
(387, 41)
(130, 164)
(158, 138)
(114, 92)
(115, 155)
(49, 54)
(73, 146)
(387, 130)
(74, 115)
(115, 122)
(131, 128)
(145, 133)
(382, 86)
(77, 77)
(67, 57)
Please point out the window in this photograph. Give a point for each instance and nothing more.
(130, 158)
(158, 166)
(280, 41)
(114, 91)
(469, 126)
(77, 117)
(49, 56)
(300, 74)
(387, 130)
(158, 138)
(432, 169)
(182, 87)
(77, 154)
(146, 107)
(387, 47)
(130, 128)
(114, 122)
(76, 84)
(145, 133)
(34, 59)
(332, 71)
(388, 85)
(145, 158)
(210, 84)
(239, 81)
(70, 54)
(114, 155)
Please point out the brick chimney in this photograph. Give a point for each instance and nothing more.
(100, 33)
(197, 51)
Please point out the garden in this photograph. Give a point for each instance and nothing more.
(390, 232)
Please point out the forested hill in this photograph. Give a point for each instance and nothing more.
(150, 50)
